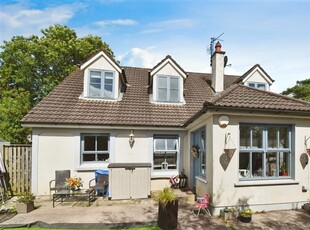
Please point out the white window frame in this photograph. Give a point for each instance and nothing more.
(246, 174)
(168, 84)
(96, 152)
(256, 85)
(102, 83)
(164, 166)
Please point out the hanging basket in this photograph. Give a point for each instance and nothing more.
(308, 151)
(229, 152)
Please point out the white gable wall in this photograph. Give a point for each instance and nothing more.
(257, 76)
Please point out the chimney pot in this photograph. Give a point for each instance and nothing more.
(218, 47)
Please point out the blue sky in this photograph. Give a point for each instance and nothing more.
(272, 33)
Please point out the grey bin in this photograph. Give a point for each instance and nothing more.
(129, 180)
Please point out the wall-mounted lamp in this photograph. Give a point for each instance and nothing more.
(223, 121)
(131, 139)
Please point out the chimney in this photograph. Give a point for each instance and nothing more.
(218, 68)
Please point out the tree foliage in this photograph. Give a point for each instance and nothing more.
(30, 67)
(301, 90)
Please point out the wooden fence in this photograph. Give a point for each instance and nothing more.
(17, 161)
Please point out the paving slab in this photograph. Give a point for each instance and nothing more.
(104, 213)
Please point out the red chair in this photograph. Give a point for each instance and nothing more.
(202, 204)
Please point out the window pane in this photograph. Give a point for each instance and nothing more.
(89, 157)
(160, 144)
(95, 83)
(271, 164)
(284, 163)
(261, 86)
(257, 164)
(245, 135)
(203, 162)
(162, 95)
(159, 159)
(108, 91)
(95, 74)
(284, 137)
(171, 159)
(103, 157)
(174, 95)
(257, 137)
(174, 83)
(244, 165)
(252, 85)
(162, 82)
(272, 137)
(89, 143)
(172, 144)
(102, 143)
(108, 75)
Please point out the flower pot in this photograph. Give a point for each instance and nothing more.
(306, 206)
(245, 219)
(226, 215)
(229, 152)
(24, 208)
(168, 215)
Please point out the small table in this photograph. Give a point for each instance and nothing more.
(62, 194)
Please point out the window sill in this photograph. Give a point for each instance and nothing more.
(266, 183)
(92, 167)
(164, 174)
(201, 179)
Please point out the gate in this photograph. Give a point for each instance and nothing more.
(17, 162)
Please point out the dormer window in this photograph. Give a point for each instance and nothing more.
(101, 84)
(257, 85)
(166, 82)
(168, 89)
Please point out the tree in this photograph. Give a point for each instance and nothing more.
(30, 67)
(301, 90)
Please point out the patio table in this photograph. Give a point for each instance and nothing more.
(60, 195)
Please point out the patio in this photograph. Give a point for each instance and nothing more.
(143, 212)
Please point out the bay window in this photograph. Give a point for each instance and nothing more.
(265, 151)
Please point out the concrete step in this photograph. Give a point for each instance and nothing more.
(185, 196)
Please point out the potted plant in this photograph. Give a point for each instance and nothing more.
(245, 215)
(25, 202)
(229, 213)
(306, 206)
(167, 209)
(284, 173)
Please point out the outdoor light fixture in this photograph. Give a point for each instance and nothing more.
(131, 139)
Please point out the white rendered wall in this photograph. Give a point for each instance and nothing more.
(59, 149)
(269, 195)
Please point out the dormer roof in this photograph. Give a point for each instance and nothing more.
(251, 71)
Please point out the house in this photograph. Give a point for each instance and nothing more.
(230, 135)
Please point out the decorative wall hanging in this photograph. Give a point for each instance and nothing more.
(229, 147)
(195, 151)
(304, 160)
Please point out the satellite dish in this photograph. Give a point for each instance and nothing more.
(225, 61)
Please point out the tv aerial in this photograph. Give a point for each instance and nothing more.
(211, 49)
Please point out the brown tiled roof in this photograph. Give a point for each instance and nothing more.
(64, 105)
(240, 96)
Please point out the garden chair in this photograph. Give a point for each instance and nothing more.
(202, 203)
(60, 181)
(102, 183)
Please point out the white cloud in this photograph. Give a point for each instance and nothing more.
(173, 24)
(121, 22)
(26, 21)
(140, 57)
